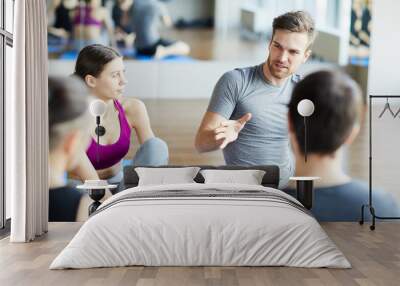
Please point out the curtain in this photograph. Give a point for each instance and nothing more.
(27, 124)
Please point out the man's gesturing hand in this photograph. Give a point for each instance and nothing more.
(229, 130)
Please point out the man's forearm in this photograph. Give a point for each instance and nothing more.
(206, 142)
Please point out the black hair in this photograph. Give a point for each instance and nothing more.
(92, 59)
(336, 98)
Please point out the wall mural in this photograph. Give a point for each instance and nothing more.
(360, 31)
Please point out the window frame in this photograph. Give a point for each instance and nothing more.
(6, 39)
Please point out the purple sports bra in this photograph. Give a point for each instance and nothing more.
(83, 17)
(109, 155)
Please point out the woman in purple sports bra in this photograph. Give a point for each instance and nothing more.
(89, 19)
(102, 69)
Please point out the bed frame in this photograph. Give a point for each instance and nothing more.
(270, 179)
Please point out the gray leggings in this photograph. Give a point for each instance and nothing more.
(153, 152)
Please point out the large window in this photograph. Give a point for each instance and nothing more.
(6, 44)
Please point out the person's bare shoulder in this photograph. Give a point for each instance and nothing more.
(131, 103)
(133, 108)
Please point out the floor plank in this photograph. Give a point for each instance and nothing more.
(374, 255)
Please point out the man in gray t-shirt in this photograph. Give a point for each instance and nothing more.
(247, 114)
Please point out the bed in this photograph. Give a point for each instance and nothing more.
(201, 224)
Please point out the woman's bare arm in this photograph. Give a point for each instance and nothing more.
(138, 118)
(83, 168)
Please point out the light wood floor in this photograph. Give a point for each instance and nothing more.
(208, 44)
(375, 258)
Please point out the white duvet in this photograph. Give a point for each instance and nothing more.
(206, 230)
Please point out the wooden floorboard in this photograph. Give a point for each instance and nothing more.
(374, 255)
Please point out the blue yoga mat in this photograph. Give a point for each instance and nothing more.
(70, 55)
(359, 61)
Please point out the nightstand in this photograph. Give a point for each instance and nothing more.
(304, 190)
(96, 193)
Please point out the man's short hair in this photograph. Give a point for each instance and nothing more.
(298, 22)
(337, 102)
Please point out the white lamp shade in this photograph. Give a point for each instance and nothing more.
(305, 107)
(97, 107)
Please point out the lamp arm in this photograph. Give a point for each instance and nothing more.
(305, 139)
(98, 138)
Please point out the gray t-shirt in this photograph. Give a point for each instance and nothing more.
(264, 139)
(146, 22)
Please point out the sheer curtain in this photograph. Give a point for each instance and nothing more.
(27, 124)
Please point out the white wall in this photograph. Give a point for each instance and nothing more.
(175, 80)
(227, 14)
(332, 20)
(383, 74)
(190, 9)
(163, 79)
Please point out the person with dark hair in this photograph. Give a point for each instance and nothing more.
(61, 12)
(67, 112)
(102, 69)
(122, 15)
(246, 116)
(333, 125)
(148, 15)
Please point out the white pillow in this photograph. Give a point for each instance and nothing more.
(248, 177)
(165, 176)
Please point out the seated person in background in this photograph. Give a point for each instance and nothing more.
(334, 124)
(122, 15)
(147, 16)
(89, 19)
(67, 115)
(102, 69)
(60, 12)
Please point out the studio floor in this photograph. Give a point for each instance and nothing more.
(207, 44)
(374, 255)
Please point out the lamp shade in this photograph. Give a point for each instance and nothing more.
(97, 107)
(305, 107)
